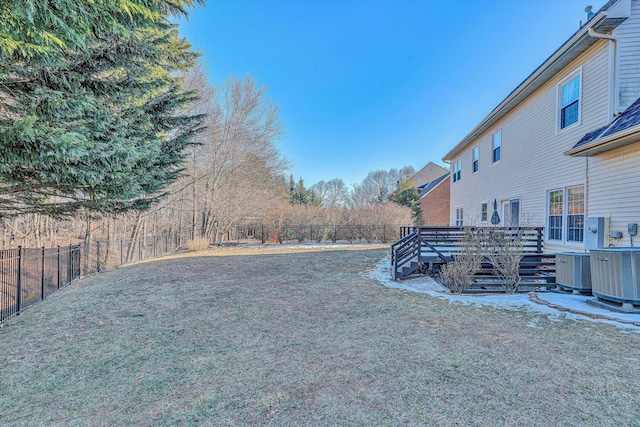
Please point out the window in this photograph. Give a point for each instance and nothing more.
(569, 101)
(575, 214)
(511, 213)
(459, 217)
(483, 212)
(554, 229)
(475, 159)
(456, 170)
(566, 215)
(496, 143)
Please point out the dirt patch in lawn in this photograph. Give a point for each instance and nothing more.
(303, 338)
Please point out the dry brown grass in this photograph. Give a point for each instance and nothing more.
(301, 339)
(197, 244)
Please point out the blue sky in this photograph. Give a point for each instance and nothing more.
(379, 84)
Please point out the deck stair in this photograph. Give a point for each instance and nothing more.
(429, 248)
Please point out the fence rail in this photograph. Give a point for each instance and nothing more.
(439, 245)
(29, 275)
(316, 233)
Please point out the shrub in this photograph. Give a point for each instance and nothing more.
(458, 275)
(197, 244)
(504, 250)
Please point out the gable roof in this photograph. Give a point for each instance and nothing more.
(426, 188)
(625, 129)
(427, 174)
(612, 14)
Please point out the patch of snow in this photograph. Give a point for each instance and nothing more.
(534, 323)
(515, 302)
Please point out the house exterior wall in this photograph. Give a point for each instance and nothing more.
(532, 161)
(435, 205)
(628, 53)
(614, 190)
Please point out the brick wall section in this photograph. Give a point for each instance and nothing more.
(435, 204)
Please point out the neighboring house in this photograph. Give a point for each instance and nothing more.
(564, 146)
(427, 174)
(434, 201)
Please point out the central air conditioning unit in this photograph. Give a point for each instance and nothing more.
(615, 276)
(573, 271)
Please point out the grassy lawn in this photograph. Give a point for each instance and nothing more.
(304, 338)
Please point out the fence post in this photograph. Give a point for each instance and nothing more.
(384, 233)
(42, 277)
(311, 233)
(19, 282)
(121, 251)
(335, 233)
(539, 240)
(262, 233)
(97, 256)
(70, 266)
(58, 266)
(155, 238)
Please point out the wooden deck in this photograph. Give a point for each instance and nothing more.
(426, 249)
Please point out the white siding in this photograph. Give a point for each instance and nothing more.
(629, 58)
(532, 160)
(614, 189)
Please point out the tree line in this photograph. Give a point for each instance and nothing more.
(111, 128)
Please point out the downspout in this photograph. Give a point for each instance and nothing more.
(614, 39)
(586, 191)
(614, 98)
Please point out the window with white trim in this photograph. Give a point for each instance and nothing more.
(569, 100)
(456, 170)
(475, 159)
(459, 217)
(484, 212)
(554, 225)
(575, 214)
(496, 144)
(565, 215)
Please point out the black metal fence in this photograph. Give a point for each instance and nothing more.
(351, 233)
(29, 275)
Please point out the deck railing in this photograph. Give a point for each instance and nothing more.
(439, 245)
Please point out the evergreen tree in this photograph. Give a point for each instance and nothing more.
(406, 194)
(94, 122)
(31, 28)
(291, 186)
(300, 194)
(313, 199)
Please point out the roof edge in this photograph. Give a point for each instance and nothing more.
(440, 180)
(583, 150)
(504, 107)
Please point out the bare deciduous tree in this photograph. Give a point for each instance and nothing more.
(378, 186)
(234, 171)
(333, 193)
